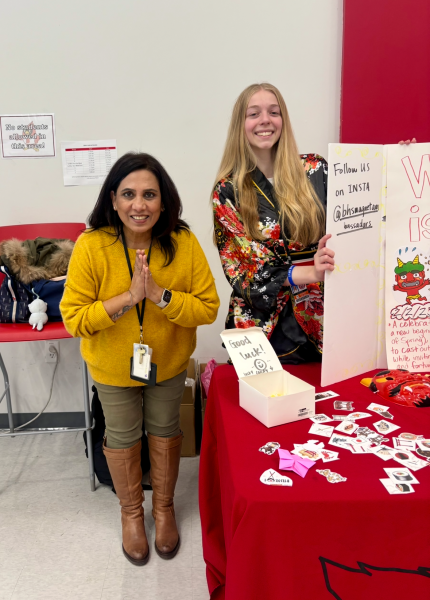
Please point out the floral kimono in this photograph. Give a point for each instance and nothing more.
(257, 271)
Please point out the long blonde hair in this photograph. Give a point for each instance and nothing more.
(302, 213)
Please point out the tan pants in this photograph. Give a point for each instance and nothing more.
(125, 408)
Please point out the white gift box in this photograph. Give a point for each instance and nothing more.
(266, 391)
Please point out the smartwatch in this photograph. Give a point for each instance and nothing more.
(166, 296)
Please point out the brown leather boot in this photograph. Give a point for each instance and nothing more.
(164, 455)
(126, 473)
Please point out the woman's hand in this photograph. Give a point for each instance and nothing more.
(137, 288)
(407, 142)
(323, 259)
(153, 291)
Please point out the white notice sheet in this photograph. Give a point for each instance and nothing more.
(87, 163)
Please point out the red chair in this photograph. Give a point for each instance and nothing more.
(22, 332)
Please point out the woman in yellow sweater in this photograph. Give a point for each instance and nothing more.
(138, 329)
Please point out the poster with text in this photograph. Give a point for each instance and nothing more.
(407, 296)
(353, 299)
(27, 136)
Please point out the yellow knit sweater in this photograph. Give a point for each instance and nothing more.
(98, 271)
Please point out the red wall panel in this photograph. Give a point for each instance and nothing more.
(385, 71)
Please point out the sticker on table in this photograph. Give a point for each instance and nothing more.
(359, 415)
(269, 448)
(325, 395)
(329, 455)
(360, 447)
(409, 460)
(401, 475)
(377, 439)
(321, 418)
(377, 407)
(385, 427)
(409, 436)
(423, 444)
(347, 427)
(339, 405)
(342, 418)
(397, 488)
(384, 452)
(364, 431)
(339, 441)
(311, 453)
(271, 477)
(387, 415)
(425, 454)
(400, 444)
(324, 430)
(331, 476)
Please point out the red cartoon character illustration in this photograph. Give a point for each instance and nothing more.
(410, 279)
(401, 387)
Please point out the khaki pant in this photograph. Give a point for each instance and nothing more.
(126, 408)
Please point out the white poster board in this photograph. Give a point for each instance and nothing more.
(353, 307)
(408, 257)
(27, 136)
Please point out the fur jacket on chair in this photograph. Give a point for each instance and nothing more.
(31, 260)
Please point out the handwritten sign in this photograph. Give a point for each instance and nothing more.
(407, 290)
(250, 351)
(353, 307)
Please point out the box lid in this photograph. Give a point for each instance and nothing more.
(250, 351)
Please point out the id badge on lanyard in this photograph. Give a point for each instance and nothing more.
(142, 369)
(300, 293)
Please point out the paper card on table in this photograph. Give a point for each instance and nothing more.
(423, 444)
(311, 452)
(347, 427)
(396, 488)
(365, 431)
(409, 436)
(425, 454)
(339, 440)
(321, 418)
(342, 418)
(269, 448)
(409, 460)
(331, 477)
(400, 444)
(271, 477)
(384, 452)
(385, 427)
(359, 415)
(386, 415)
(401, 475)
(329, 455)
(324, 430)
(377, 439)
(339, 405)
(325, 395)
(377, 407)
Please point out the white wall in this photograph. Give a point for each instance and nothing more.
(159, 76)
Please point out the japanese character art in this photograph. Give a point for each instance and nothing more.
(410, 279)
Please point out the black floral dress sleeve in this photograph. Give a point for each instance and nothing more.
(257, 271)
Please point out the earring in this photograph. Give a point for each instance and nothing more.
(114, 208)
(162, 208)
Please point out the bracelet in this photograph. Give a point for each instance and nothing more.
(289, 275)
(131, 297)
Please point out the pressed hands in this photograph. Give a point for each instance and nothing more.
(142, 286)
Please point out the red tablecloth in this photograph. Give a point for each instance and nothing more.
(314, 540)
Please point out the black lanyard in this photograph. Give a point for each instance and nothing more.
(140, 312)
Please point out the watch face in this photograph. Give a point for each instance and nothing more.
(167, 296)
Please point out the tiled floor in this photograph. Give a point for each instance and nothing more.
(60, 540)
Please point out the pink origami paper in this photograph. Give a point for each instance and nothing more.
(290, 462)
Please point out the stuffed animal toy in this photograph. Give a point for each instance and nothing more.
(38, 316)
(401, 387)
